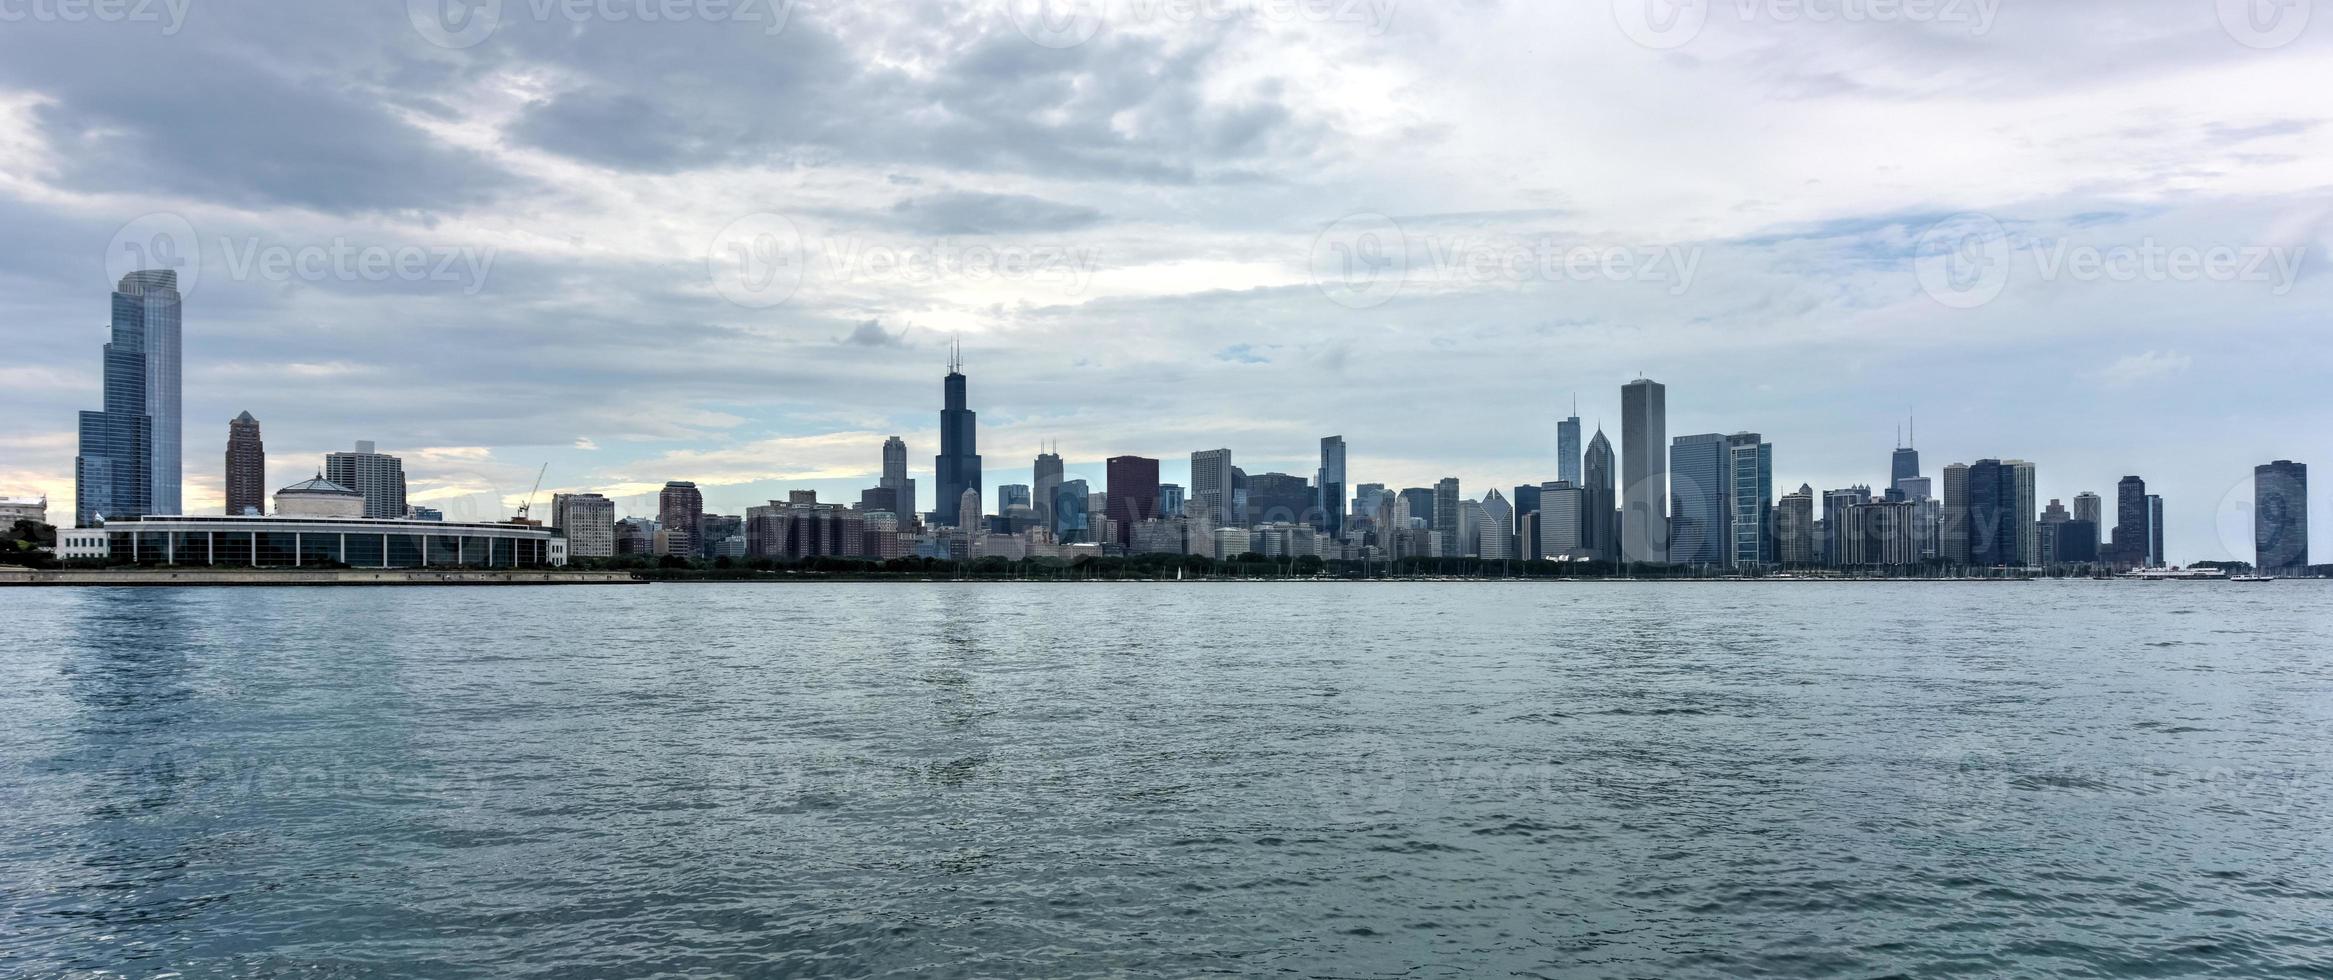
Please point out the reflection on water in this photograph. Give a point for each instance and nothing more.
(999, 780)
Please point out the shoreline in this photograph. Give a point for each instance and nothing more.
(209, 577)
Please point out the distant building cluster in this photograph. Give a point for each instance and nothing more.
(1705, 500)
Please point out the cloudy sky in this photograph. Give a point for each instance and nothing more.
(642, 240)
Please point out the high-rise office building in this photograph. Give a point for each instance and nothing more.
(1070, 522)
(2280, 517)
(1560, 505)
(1839, 544)
(1494, 531)
(1133, 492)
(1600, 517)
(1794, 528)
(1750, 499)
(957, 467)
(1418, 503)
(1904, 465)
(1047, 482)
(1280, 498)
(1329, 507)
(150, 300)
(1952, 529)
(588, 521)
(1528, 532)
(1567, 446)
(2027, 501)
(127, 464)
(1212, 484)
(1446, 508)
(246, 467)
(1699, 500)
(896, 480)
(1011, 495)
(1998, 526)
(2130, 523)
(1170, 500)
(380, 477)
(680, 510)
(2155, 531)
(1644, 478)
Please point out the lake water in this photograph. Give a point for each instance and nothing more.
(2074, 779)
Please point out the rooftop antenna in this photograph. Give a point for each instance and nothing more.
(956, 356)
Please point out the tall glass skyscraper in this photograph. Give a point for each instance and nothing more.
(1567, 447)
(1048, 480)
(1750, 492)
(128, 465)
(1329, 487)
(1644, 475)
(2280, 516)
(1699, 501)
(1599, 523)
(895, 479)
(957, 467)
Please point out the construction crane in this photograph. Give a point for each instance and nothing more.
(528, 507)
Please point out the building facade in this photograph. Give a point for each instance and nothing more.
(2280, 517)
(128, 461)
(587, 521)
(1328, 506)
(246, 467)
(1133, 491)
(380, 477)
(1644, 478)
(957, 467)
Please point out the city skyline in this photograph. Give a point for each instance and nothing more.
(565, 312)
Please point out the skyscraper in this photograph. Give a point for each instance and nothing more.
(896, 480)
(1699, 501)
(2155, 531)
(1841, 538)
(1047, 481)
(1212, 484)
(1528, 533)
(1133, 492)
(1750, 498)
(1904, 465)
(380, 477)
(2026, 500)
(1997, 527)
(1644, 477)
(957, 467)
(150, 301)
(1794, 528)
(681, 511)
(1952, 532)
(128, 464)
(246, 467)
(588, 521)
(1446, 507)
(1070, 524)
(1567, 446)
(1329, 505)
(2280, 517)
(1418, 502)
(1599, 518)
(2130, 523)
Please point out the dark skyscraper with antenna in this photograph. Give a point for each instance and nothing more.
(957, 467)
(246, 467)
(1905, 465)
